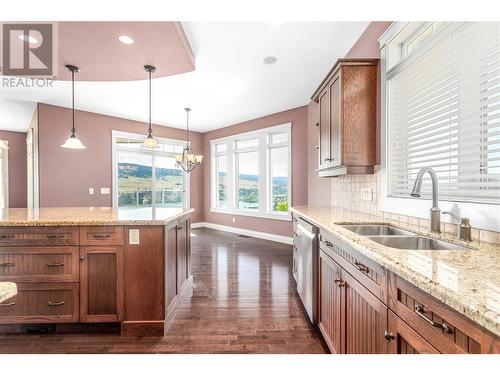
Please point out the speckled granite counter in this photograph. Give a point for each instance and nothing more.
(7, 290)
(69, 216)
(466, 280)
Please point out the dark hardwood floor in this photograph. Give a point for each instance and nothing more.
(243, 301)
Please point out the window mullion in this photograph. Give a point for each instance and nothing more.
(263, 174)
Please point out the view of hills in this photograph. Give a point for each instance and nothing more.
(134, 185)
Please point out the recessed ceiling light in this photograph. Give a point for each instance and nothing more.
(276, 22)
(28, 39)
(269, 60)
(126, 39)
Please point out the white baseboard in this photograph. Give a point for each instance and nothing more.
(245, 232)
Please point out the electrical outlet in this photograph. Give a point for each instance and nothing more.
(104, 191)
(367, 194)
(91, 191)
(133, 236)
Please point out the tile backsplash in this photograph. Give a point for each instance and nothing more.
(349, 194)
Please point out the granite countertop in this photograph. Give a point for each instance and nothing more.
(7, 291)
(68, 216)
(466, 280)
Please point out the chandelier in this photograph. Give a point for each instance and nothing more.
(188, 160)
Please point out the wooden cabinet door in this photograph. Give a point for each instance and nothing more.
(101, 284)
(365, 319)
(170, 262)
(182, 253)
(324, 129)
(330, 303)
(404, 340)
(335, 144)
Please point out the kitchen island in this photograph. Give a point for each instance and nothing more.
(95, 265)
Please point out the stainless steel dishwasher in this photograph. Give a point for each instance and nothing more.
(306, 243)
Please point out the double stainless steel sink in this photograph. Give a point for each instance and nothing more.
(397, 238)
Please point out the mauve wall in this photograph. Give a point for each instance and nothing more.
(66, 175)
(17, 168)
(298, 118)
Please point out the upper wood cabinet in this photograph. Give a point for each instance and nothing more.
(347, 119)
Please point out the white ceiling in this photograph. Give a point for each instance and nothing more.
(230, 83)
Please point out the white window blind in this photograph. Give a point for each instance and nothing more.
(443, 107)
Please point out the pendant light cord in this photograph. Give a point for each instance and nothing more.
(149, 129)
(73, 130)
(187, 127)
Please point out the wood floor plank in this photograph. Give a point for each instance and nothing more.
(243, 301)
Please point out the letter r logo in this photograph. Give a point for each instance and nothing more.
(27, 49)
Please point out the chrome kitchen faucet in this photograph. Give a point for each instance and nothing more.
(417, 192)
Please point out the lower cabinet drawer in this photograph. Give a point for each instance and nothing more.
(42, 264)
(41, 303)
(444, 328)
(101, 235)
(369, 273)
(38, 236)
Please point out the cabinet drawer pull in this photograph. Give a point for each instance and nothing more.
(339, 283)
(7, 304)
(8, 236)
(55, 304)
(361, 267)
(328, 243)
(55, 264)
(54, 236)
(419, 310)
(7, 265)
(101, 236)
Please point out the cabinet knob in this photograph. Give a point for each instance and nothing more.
(388, 336)
(339, 283)
(82, 258)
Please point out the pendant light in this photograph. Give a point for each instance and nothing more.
(188, 160)
(150, 142)
(73, 142)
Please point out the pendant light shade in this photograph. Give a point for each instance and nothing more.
(73, 142)
(150, 142)
(188, 160)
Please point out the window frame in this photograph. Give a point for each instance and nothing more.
(264, 171)
(116, 148)
(482, 215)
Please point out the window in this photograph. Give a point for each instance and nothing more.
(145, 177)
(443, 111)
(4, 174)
(441, 108)
(251, 173)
